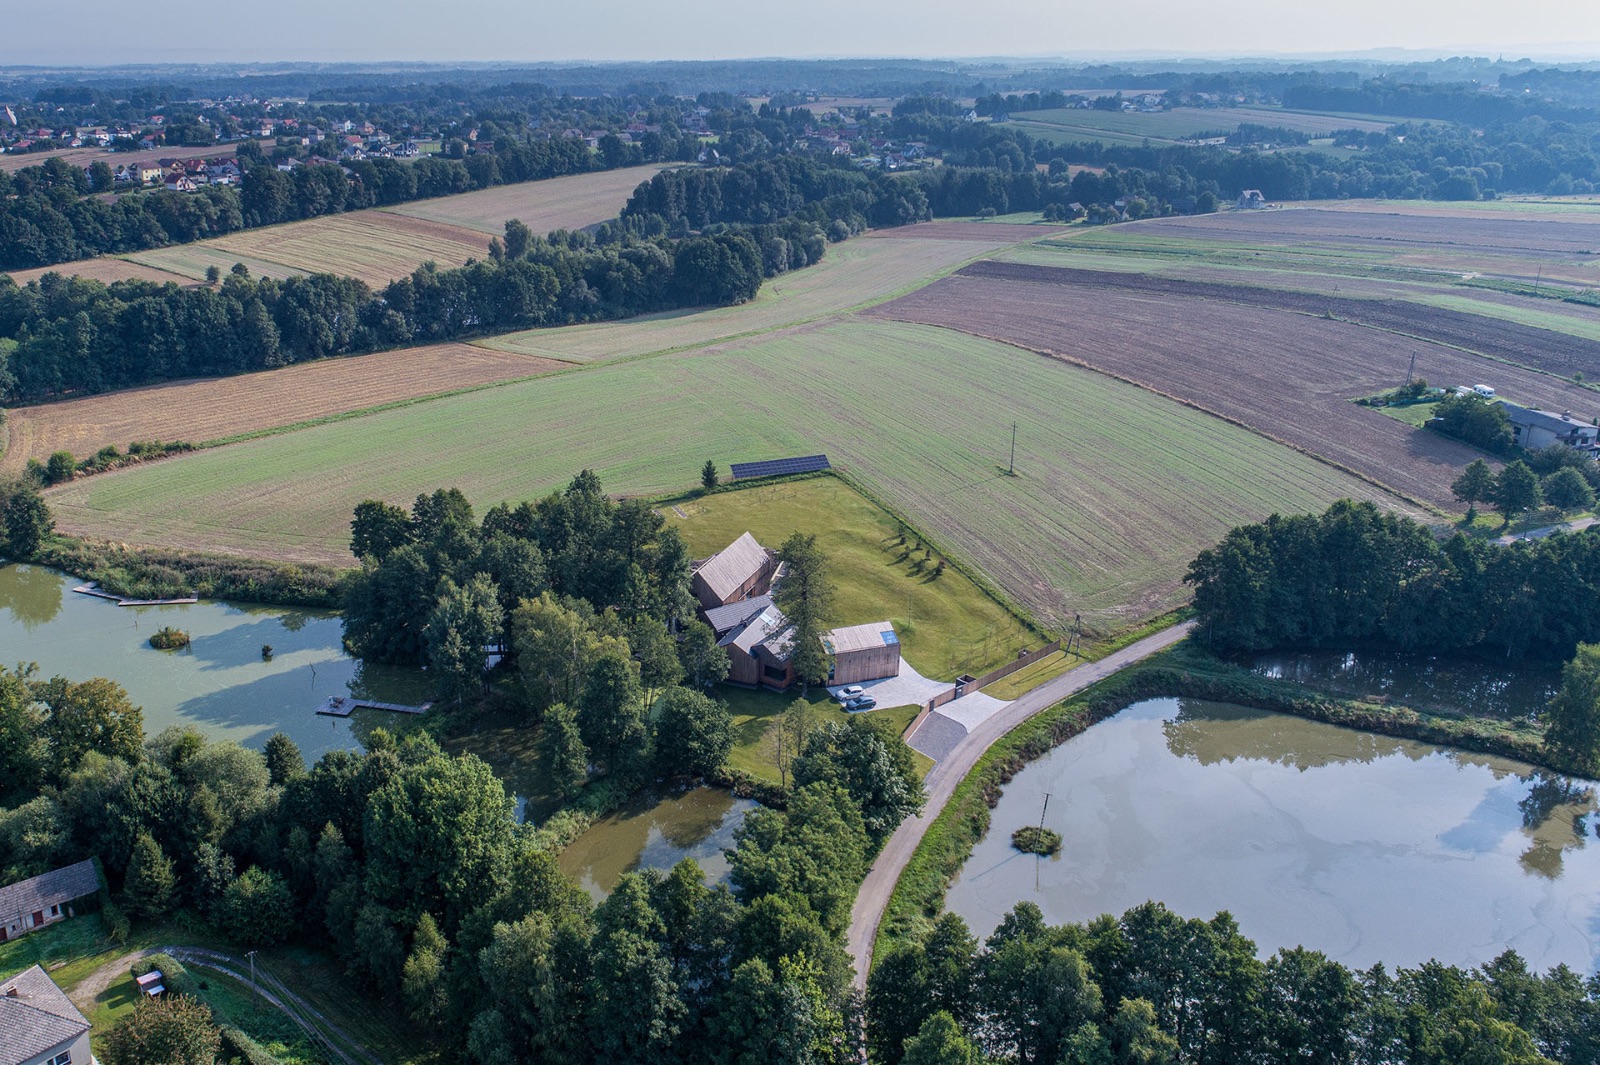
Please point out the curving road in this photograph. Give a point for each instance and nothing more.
(873, 898)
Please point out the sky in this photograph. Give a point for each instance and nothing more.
(99, 32)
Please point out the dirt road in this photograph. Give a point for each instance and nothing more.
(334, 1041)
(941, 783)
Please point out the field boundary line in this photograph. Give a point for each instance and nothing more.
(1192, 405)
(839, 312)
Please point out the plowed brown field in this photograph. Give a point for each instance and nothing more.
(1284, 374)
(211, 409)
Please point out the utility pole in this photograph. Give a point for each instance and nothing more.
(1011, 469)
(1411, 371)
(252, 956)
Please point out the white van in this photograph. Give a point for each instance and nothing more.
(1484, 390)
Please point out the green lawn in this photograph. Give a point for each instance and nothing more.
(756, 712)
(947, 625)
(1117, 488)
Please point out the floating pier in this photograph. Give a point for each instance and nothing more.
(341, 706)
(93, 588)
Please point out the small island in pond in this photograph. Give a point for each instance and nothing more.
(168, 638)
(1035, 839)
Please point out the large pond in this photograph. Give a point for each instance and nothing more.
(1424, 682)
(221, 683)
(698, 824)
(1364, 847)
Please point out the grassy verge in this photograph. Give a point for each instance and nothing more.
(157, 573)
(756, 712)
(1181, 671)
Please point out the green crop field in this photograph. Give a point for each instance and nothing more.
(1116, 487)
(947, 624)
(867, 270)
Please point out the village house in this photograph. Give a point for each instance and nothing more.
(1534, 429)
(739, 571)
(44, 899)
(39, 1025)
(1251, 200)
(759, 645)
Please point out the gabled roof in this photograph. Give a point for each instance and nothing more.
(724, 619)
(49, 889)
(35, 1017)
(756, 630)
(1546, 419)
(727, 570)
(860, 637)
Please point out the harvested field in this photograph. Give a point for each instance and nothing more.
(1117, 488)
(979, 231)
(212, 409)
(573, 202)
(1560, 354)
(1178, 125)
(107, 270)
(1561, 247)
(374, 246)
(88, 156)
(868, 269)
(1284, 374)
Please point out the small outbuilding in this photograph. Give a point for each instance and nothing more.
(862, 652)
(44, 899)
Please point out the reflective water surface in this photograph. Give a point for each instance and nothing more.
(1425, 682)
(698, 824)
(1364, 847)
(221, 683)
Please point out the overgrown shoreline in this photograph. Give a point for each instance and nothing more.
(164, 573)
(1182, 672)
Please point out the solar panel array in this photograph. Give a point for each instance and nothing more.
(743, 471)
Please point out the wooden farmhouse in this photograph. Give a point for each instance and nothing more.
(44, 899)
(742, 569)
(39, 1025)
(862, 652)
(758, 639)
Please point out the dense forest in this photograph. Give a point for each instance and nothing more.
(1356, 577)
(61, 335)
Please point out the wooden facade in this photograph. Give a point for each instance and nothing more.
(861, 653)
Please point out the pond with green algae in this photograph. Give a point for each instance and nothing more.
(1364, 847)
(221, 683)
(700, 824)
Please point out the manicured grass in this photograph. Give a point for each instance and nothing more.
(1416, 414)
(755, 713)
(1031, 677)
(947, 624)
(61, 948)
(1116, 490)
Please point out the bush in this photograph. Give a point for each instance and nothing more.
(61, 468)
(167, 638)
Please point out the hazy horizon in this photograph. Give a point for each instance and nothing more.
(106, 33)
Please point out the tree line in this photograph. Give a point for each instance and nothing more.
(1355, 576)
(72, 335)
(1153, 988)
(54, 213)
(408, 864)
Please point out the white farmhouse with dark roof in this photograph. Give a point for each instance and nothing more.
(43, 899)
(39, 1025)
(1534, 429)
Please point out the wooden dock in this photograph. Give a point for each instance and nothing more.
(92, 588)
(341, 706)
